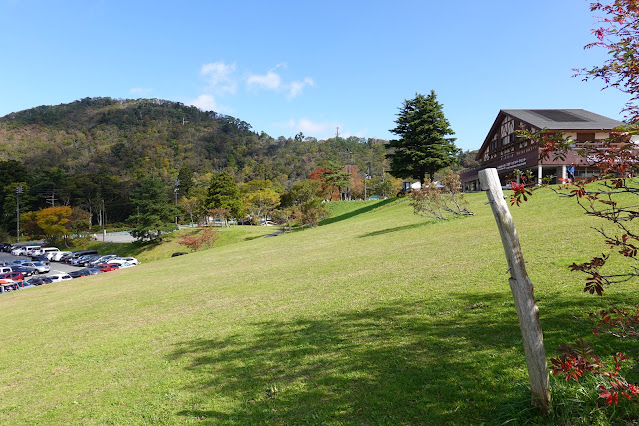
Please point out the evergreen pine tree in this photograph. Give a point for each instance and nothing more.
(423, 147)
(156, 215)
(224, 194)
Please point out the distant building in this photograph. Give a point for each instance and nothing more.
(505, 152)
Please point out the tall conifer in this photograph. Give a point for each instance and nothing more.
(423, 147)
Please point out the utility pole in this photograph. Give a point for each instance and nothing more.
(103, 221)
(19, 190)
(51, 198)
(366, 177)
(337, 133)
(348, 170)
(176, 189)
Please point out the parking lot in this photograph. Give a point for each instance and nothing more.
(56, 267)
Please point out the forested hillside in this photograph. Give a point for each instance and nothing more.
(98, 149)
(134, 138)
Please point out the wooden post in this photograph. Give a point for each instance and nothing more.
(522, 289)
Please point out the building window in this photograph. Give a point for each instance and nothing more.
(585, 137)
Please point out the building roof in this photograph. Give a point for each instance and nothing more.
(553, 119)
(564, 119)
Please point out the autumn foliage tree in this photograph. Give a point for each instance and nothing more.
(54, 222)
(203, 238)
(609, 197)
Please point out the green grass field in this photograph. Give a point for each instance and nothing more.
(377, 317)
(148, 252)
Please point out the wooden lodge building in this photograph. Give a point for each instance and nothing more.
(505, 152)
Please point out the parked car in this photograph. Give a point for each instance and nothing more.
(60, 277)
(15, 276)
(56, 256)
(27, 271)
(18, 251)
(107, 267)
(93, 271)
(92, 260)
(131, 260)
(79, 253)
(39, 280)
(79, 261)
(79, 273)
(44, 251)
(9, 285)
(102, 259)
(30, 250)
(40, 258)
(40, 267)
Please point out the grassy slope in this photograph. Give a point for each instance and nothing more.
(380, 316)
(146, 252)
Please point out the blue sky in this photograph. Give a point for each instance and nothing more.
(291, 66)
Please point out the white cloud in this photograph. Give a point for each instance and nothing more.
(220, 77)
(140, 91)
(296, 87)
(207, 102)
(271, 80)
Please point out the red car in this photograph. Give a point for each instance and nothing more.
(15, 276)
(106, 267)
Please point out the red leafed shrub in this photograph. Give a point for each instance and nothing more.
(574, 362)
(205, 238)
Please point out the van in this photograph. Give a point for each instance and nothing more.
(30, 249)
(44, 251)
(49, 251)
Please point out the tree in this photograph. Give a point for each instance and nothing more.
(199, 239)
(224, 193)
(54, 222)
(156, 215)
(423, 147)
(609, 196)
(619, 36)
(260, 197)
(304, 201)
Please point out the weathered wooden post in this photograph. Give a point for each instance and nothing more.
(522, 289)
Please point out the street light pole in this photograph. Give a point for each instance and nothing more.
(19, 190)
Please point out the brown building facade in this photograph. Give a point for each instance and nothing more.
(506, 152)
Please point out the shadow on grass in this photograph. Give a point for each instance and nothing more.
(395, 364)
(397, 229)
(354, 213)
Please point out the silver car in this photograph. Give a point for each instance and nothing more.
(40, 267)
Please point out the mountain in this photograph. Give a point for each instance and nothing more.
(134, 138)
(105, 146)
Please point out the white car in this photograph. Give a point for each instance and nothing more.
(60, 277)
(131, 260)
(19, 251)
(55, 257)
